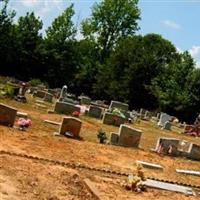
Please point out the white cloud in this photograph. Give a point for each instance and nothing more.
(30, 3)
(171, 24)
(195, 53)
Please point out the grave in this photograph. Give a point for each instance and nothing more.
(85, 100)
(114, 138)
(7, 115)
(70, 125)
(129, 137)
(147, 115)
(118, 105)
(167, 126)
(164, 118)
(39, 93)
(113, 119)
(149, 165)
(194, 152)
(95, 111)
(189, 172)
(63, 93)
(65, 108)
(48, 97)
(168, 143)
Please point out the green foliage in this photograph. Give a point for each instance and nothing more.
(101, 135)
(9, 90)
(62, 28)
(110, 21)
(35, 82)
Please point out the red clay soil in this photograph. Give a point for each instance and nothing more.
(22, 179)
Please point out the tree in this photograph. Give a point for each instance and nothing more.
(62, 28)
(110, 21)
(128, 73)
(61, 62)
(28, 41)
(6, 36)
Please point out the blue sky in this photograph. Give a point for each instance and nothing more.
(176, 20)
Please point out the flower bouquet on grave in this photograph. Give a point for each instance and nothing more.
(101, 135)
(23, 123)
(75, 114)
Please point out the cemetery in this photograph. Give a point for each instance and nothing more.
(99, 100)
(64, 139)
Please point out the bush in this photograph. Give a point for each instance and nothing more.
(35, 82)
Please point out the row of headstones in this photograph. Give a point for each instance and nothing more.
(178, 148)
(95, 111)
(127, 136)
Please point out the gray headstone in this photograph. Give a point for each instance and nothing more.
(95, 111)
(65, 108)
(39, 93)
(71, 125)
(163, 118)
(113, 119)
(194, 152)
(85, 100)
(129, 137)
(48, 97)
(63, 93)
(118, 105)
(167, 143)
(7, 115)
(114, 138)
(167, 126)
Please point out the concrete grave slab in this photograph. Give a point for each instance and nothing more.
(52, 122)
(169, 187)
(65, 108)
(22, 114)
(70, 125)
(189, 172)
(129, 137)
(149, 165)
(7, 115)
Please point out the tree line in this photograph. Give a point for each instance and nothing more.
(111, 61)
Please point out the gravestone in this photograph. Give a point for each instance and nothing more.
(142, 113)
(70, 125)
(7, 115)
(48, 97)
(114, 138)
(194, 152)
(95, 111)
(113, 119)
(129, 137)
(63, 93)
(85, 100)
(118, 105)
(163, 118)
(167, 126)
(147, 115)
(39, 93)
(65, 108)
(167, 143)
(184, 148)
